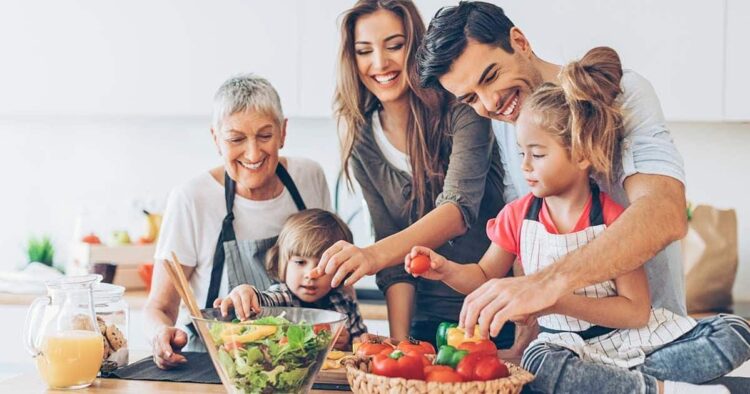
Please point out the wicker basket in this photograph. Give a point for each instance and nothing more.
(361, 381)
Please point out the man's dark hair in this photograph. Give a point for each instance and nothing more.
(449, 32)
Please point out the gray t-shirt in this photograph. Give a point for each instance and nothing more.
(473, 182)
(646, 148)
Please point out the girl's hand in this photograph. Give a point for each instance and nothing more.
(243, 299)
(438, 266)
(342, 342)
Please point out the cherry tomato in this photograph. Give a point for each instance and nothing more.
(321, 327)
(420, 264)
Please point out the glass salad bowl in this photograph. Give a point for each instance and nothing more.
(280, 349)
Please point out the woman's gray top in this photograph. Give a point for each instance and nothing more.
(473, 182)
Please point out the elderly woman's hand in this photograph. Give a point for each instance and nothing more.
(166, 346)
(347, 262)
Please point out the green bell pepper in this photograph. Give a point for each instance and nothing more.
(448, 355)
(441, 338)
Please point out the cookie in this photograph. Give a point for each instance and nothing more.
(102, 325)
(107, 348)
(115, 337)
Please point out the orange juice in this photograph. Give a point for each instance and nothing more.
(70, 359)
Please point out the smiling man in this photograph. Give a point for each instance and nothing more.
(474, 51)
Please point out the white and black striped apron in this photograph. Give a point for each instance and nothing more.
(622, 347)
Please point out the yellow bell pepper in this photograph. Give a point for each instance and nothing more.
(231, 330)
(254, 333)
(456, 336)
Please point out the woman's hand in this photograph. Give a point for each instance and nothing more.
(347, 263)
(243, 299)
(166, 346)
(438, 265)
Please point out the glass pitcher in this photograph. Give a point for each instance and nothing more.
(62, 333)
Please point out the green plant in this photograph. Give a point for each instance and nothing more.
(41, 250)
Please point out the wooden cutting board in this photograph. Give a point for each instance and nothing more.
(332, 376)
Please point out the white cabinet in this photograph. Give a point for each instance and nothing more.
(675, 44)
(165, 57)
(141, 57)
(319, 45)
(737, 104)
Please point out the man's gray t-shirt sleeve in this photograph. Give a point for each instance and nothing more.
(647, 145)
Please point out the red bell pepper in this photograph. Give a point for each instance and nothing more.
(398, 365)
(484, 346)
(477, 366)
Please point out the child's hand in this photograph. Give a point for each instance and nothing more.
(342, 342)
(437, 268)
(243, 299)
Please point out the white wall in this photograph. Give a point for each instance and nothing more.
(55, 167)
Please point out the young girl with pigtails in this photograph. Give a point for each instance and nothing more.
(603, 337)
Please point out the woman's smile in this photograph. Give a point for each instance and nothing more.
(387, 80)
(252, 166)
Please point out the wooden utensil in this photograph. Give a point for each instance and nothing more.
(174, 269)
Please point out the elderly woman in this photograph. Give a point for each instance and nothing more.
(221, 223)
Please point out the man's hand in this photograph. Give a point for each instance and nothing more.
(166, 346)
(500, 300)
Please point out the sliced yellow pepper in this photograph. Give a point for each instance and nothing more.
(254, 333)
(335, 354)
(231, 330)
(456, 336)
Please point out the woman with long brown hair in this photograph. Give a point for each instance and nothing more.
(429, 169)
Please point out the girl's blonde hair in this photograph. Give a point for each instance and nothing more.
(429, 109)
(306, 233)
(583, 110)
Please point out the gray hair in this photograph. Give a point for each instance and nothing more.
(246, 92)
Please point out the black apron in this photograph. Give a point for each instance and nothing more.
(244, 259)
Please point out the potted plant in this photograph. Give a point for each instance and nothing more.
(41, 250)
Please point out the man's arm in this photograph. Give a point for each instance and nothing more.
(655, 218)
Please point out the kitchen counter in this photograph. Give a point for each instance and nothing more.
(32, 383)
